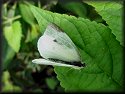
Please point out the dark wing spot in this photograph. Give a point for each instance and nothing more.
(55, 40)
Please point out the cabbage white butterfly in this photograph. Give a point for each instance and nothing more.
(57, 49)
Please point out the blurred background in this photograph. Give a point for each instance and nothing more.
(19, 44)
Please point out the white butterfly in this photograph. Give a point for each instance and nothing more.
(56, 45)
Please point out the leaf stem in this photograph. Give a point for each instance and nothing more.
(12, 19)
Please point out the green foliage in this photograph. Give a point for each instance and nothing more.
(96, 33)
(111, 12)
(29, 18)
(16, 54)
(26, 13)
(13, 34)
(99, 49)
(8, 55)
(12, 29)
(77, 8)
(51, 83)
(7, 84)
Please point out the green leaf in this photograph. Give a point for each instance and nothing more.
(51, 83)
(32, 33)
(13, 34)
(99, 50)
(8, 54)
(111, 12)
(77, 8)
(26, 13)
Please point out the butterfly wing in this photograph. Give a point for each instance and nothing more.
(61, 37)
(49, 62)
(57, 45)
